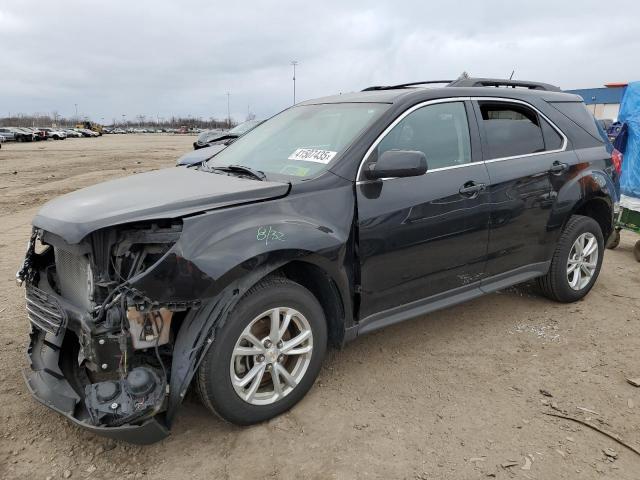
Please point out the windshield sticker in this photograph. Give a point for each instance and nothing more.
(269, 234)
(312, 155)
(295, 170)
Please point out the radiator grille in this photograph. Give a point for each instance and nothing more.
(43, 310)
(74, 278)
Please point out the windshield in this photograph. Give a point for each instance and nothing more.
(301, 141)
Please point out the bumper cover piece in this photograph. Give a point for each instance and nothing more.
(48, 384)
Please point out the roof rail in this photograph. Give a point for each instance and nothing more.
(404, 85)
(497, 82)
(473, 82)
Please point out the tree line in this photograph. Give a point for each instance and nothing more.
(53, 119)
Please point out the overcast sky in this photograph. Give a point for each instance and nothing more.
(136, 57)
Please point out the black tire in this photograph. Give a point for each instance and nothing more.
(636, 250)
(555, 284)
(213, 379)
(614, 240)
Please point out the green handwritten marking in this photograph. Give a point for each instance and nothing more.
(269, 234)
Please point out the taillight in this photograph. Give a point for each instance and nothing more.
(616, 158)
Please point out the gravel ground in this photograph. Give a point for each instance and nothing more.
(455, 395)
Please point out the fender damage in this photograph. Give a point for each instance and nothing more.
(123, 314)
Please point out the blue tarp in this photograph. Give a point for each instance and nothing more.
(630, 114)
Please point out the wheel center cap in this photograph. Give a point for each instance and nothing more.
(271, 354)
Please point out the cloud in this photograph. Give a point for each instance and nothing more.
(161, 58)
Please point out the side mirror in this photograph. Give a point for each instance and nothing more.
(398, 163)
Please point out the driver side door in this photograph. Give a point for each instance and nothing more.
(422, 238)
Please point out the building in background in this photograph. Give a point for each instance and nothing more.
(603, 102)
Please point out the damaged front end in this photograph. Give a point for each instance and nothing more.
(100, 350)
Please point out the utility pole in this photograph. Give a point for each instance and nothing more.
(294, 63)
(76, 111)
(228, 110)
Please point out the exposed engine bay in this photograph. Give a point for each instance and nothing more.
(114, 344)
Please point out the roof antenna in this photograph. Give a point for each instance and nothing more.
(511, 76)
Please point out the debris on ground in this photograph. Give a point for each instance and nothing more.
(546, 393)
(477, 459)
(629, 403)
(611, 435)
(509, 464)
(610, 453)
(588, 410)
(634, 381)
(528, 460)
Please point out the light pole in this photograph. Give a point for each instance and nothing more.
(294, 63)
(228, 110)
(76, 111)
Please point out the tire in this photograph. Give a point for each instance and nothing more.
(214, 377)
(555, 284)
(636, 250)
(614, 240)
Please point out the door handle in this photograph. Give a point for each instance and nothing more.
(558, 167)
(471, 188)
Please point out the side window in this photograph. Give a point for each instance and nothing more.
(511, 129)
(440, 131)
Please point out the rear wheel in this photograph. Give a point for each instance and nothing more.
(266, 356)
(576, 261)
(636, 250)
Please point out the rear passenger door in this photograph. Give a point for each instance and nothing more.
(527, 163)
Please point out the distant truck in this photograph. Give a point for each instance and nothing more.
(96, 127)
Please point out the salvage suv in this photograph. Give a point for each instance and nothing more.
(332, 219)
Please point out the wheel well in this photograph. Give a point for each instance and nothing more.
(600, 211)
(320, 284)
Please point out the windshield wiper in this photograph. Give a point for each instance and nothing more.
(257, 174)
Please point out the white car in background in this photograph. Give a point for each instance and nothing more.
(55, 133)
(72, 133)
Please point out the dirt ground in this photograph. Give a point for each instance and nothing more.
(455, 395)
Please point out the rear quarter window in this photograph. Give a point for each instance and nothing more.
(578, 114)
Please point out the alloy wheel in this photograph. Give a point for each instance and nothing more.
(271, 356)
(583, 260)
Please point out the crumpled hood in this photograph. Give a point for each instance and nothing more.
(166, 193)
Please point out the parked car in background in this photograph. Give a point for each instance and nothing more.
(8, 134)
(20, 134)
(2, 140)
(196, 157)
(38, 133)
(55, 134)
(86, 132)
(72, 133)
(209, 137)
(219, 143)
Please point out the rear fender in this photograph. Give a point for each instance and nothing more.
(587, 185)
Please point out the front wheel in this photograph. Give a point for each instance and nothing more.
(576, 261)
(266, 356)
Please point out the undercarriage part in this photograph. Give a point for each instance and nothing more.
(116, 402)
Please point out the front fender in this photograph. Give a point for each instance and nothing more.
(222, 253)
